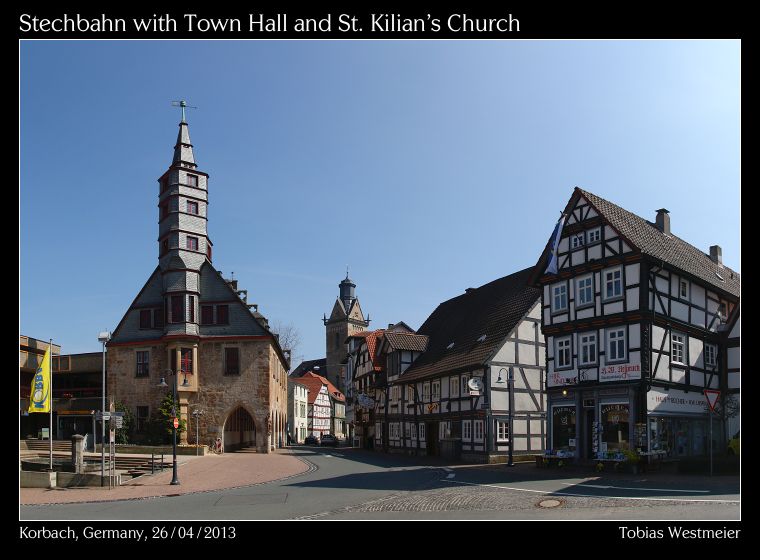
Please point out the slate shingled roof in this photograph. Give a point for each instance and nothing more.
(406, 341)
(307, 365)
(668, 248)
(493, 310)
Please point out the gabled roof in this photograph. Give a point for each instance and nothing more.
(476, 323)
(371, 337)
(406, 341)
(670, 249)
(315, 383)
(308, 365)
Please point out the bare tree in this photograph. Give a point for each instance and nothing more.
(288, 334)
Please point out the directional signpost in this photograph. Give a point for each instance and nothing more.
(712, 396)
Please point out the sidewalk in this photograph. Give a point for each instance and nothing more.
(196, 474)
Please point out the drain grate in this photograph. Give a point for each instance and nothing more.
(550, 503)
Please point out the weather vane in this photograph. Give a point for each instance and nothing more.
(183, 104)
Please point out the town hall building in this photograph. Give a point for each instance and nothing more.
(190, 326)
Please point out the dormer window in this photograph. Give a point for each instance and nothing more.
(683, 290)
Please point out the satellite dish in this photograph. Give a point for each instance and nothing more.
(475, 384)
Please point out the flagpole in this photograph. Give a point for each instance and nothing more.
(50, 434)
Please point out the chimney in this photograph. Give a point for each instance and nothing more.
(663, 221)
(716, 254)
(390, 326)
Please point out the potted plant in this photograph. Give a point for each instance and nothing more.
(632, 460)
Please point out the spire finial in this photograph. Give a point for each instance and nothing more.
(183, 105)
(346, 271)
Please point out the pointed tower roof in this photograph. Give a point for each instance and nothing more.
(183, 149)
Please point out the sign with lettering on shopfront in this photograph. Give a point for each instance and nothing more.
(659, 400)
(620, 372)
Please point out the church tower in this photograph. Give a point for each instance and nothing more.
(345, 319)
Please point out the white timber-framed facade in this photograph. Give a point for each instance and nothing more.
(633, 321)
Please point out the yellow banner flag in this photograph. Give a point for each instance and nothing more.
(40, 395)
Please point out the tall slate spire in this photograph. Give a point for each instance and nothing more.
(183, 149)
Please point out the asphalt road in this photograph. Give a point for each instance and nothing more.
(354, 484)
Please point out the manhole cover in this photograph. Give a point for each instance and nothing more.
(549, 503)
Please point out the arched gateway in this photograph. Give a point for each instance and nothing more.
(239, 430)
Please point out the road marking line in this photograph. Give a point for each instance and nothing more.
(589, 495)
(635, 488)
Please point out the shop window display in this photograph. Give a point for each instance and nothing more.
(615, 426)
(563, 427)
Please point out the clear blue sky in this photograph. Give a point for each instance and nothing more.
(427, 166)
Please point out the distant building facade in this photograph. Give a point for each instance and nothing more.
(189, 321)
(298, 402)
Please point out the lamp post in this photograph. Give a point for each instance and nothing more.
(163, 385)
(197, 414)
(103, 338)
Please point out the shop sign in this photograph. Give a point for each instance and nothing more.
(559, 378)
(675, 401)
(620, 372)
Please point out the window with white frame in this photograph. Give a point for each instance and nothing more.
(587, 344)
(576, 240)
(466, 430)
(436, 390)
(594, 235)
(426, 392)
(559, 297)
(563, 354)
(414, 431)
(711, 355)
(683, 289)
(502, 430)
(453, 387)
(585, 291)
(410, 394)
(616, 345)
(422, 431)
(443, 430)
(478, 430)
(465, 389)
(613, 283)
(678, 348)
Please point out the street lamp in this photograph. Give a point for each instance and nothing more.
(163, 385)
(103, 338)
(197, 413)
(511, 385)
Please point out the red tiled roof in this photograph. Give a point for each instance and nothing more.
(314, 382)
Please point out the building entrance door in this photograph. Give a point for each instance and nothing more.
(431, 433)
(589, 429)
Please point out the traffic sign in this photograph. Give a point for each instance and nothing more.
(118, 421)
(712, 398)
(103, 416)
(176, 422)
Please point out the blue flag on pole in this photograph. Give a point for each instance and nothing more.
(553, 260)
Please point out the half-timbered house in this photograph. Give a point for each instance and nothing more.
(472, 370)
(325, 406)
(632, 317)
